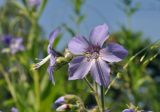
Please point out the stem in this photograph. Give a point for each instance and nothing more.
(102, 98)
(41, 8)
(10, 86)
(36, 90)
(109, 86)
(89, 84)
(32, 34)
(95, 92)
(97, 97)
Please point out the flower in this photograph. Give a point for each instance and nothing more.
(14, 44)
(6, 39)
(13, 109)
(93, 55)
(128, 110)
(67, 99)
(52, 55)
(63, 108)
(59, 102)
(34, 3)
(69, 102)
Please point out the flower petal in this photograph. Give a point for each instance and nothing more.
(50, 72)
(52, 60)
(16, 45)
(128, 110)
(113, 53)
(51, 68)
(79, 68)
(35, 3)
(99, 34)
(100, 72)
(78, 45)
(60, 100)
(52, 37)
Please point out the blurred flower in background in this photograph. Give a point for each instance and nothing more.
(128, 110)
(12, 44)
(14, 109)
(34, 3)
(69, 102)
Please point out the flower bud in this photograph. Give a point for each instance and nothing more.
(59, 102)
(63, 108)
(69, 102)
(67, 54)
(128, 110)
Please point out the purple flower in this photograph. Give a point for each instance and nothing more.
(92, 55)
(34, 3)
(6, 39)
(52, 55)
(128, 110)
(14, 109)
(107, 110)
(14, 44)
(63, 108)
(60, 100)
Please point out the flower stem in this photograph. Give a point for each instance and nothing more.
(95, 92)
(102, 98)
(89, 84)
(11, 87)
(97, 97)
(37, 91)
(112, 82)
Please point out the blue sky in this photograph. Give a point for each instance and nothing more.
(147, 19)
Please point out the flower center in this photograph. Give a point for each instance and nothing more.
(92, 52)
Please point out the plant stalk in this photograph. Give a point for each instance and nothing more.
(102, 99)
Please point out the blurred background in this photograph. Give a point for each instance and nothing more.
(25, 26)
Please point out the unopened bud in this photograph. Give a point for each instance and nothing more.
(67, 54)
(63, 108)
(59, 102)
